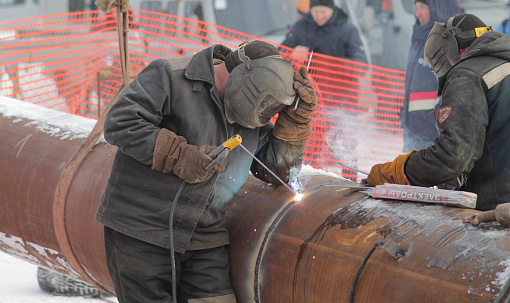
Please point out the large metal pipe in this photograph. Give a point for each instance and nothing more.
(281, 251)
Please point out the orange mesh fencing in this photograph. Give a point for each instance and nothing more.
(70, 62)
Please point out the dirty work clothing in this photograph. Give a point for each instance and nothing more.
(418, 114)
(179, 94)
(337, 38)
(142, 272)
(474, 125)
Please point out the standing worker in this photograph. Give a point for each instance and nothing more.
(165, 122)
(326, 30)
(471, 64)
(418, 115)
(504, 26)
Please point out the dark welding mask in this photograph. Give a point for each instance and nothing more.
(446, 39)
(258, 89)
(441, 50)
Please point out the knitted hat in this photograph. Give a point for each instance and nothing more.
(328, 3)
(467, 24)
(253, 50)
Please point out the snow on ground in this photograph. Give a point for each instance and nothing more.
(18, 284)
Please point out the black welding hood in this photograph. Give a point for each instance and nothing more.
(445, 40)
(257, 89)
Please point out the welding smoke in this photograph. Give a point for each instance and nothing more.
(293, 179)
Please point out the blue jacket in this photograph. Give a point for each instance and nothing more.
(504, 27)
(337, 38)
(474, 125)
(420, 100)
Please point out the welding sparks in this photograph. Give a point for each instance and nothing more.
(298, 197)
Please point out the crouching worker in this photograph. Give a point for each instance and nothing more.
(175, 112)
(472, 65)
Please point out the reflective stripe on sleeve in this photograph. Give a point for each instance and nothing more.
(423, 101)
(496, 75)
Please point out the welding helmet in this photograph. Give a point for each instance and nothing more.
(259, 86)
(444, 41)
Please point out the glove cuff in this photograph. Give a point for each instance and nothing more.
(390, 172)
(291, 132)
(166, 151)
(400, 162)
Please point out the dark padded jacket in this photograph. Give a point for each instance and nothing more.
(337, 38)
(418, 115)
(474, 125)
(179, 94)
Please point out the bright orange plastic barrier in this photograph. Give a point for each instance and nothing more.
(70, 62)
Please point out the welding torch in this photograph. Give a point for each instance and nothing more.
(221, 152)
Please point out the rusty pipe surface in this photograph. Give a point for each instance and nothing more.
(36, 144)
(281, 251)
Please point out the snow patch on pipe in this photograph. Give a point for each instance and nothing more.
(55, 123)
(307, 170)
(17, 247)
(473, 243)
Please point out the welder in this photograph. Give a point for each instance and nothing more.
(167, 120)
(472, 65)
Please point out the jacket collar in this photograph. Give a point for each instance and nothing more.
(492, 44)
(201, 65)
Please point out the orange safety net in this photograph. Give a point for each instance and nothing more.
(70, 62)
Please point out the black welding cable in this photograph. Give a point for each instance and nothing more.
(172, 250)
(360, 269)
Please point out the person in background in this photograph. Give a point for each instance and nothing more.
(419, 110)
(504, 26)
(470, 62)
(303, 7)
(164, 124)
(326, 30)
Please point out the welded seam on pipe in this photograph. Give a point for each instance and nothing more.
(62, 191)
(262, 247)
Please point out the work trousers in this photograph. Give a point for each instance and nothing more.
(142, 272)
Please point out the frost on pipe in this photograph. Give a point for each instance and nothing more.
(312, 251)
(281, 251)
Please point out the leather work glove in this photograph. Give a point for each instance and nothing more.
(172, 153)
(293, 125)
(390, 172)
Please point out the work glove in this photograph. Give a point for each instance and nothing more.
(293, 125)
(390, 172)
(172, 153)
